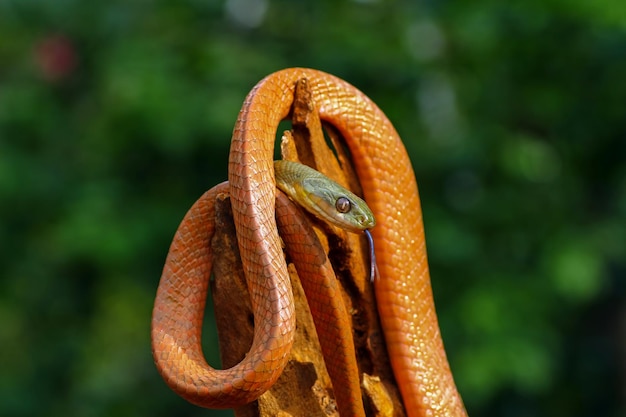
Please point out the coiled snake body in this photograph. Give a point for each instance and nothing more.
(403, 290)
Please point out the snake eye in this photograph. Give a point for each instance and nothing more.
(343, 205)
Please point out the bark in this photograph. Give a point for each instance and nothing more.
(304, 388)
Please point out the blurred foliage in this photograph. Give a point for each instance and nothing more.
(115, 116)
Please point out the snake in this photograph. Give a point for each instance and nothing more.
(402, 288)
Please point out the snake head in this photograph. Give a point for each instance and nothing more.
(337, 205)
(323, 197)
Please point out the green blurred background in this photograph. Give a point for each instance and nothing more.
(115, 116)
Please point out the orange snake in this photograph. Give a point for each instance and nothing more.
(403, 290)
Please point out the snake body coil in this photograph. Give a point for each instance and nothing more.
(403, 289)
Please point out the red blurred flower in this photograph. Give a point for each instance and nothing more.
(55, 57)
